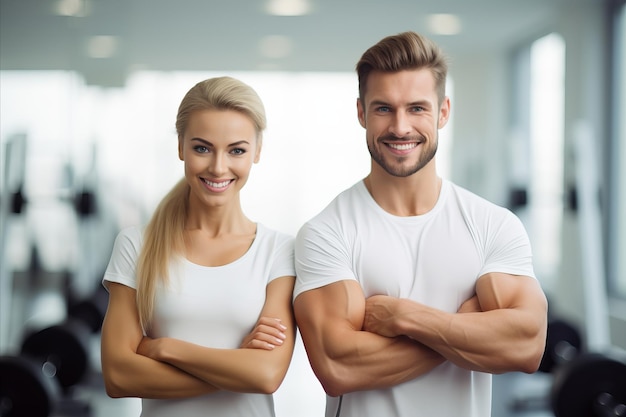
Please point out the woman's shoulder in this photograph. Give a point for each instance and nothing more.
(134, 233)
(130, 236)
(273, 235)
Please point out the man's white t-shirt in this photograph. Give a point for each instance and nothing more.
(209, 306)
(434, 259)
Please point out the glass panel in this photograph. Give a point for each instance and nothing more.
(547, 71)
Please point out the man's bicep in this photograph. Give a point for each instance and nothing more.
(496, 290)
(324, 313)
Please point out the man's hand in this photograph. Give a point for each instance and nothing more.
(472, 305)
(380, 313)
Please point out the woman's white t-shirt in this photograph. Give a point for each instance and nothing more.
(210, 306)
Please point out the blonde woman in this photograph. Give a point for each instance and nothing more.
(199, 321)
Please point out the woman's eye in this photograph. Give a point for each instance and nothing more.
(200, 149)
(238, 151)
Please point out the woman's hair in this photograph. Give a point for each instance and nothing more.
(164, 237)
(405, 51)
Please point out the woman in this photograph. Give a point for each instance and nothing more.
(199, 321)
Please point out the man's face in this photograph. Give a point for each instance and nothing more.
(402, 116)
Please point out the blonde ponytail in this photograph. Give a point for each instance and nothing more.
(163, 240)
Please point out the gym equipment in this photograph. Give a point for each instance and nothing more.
(563, 344)
(25, 389)
(84, 202)
(591, 385)
(51, 361)
(585, 384)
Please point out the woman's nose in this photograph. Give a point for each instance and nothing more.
(218, 165)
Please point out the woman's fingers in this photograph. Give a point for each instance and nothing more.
(267, 334)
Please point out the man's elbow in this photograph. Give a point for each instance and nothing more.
(530, 355)
(533, 359)
(333, 389)
(334, 382)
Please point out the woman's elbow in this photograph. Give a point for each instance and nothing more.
(268, 380)
(113, 389)
(115, 383)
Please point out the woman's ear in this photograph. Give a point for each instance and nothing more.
(180, 149)
(259, 145)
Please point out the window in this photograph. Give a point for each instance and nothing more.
(545, 130)
(617, 214)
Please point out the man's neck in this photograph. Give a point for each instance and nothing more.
(408, 196)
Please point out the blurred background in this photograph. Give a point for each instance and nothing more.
(88, 96)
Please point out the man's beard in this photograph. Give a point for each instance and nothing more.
(399, 169)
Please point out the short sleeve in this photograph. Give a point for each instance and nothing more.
(322, 257)
(507, 248)
(123, 263)
(283, 264)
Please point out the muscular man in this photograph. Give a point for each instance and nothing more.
(411, 291)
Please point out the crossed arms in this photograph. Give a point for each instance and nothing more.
(356, 344)
(137, 366)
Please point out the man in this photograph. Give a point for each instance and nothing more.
(410, 290)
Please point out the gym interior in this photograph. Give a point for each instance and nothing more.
(88, 97)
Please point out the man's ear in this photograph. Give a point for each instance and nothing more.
(444, 113)
(360, 112)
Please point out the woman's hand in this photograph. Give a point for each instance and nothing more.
(149, 347)
(267, 334)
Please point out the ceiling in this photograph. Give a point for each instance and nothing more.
(226, 35)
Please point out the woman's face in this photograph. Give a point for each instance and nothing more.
(218, 149)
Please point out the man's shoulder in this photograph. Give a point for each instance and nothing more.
(467, 197)
(337, 212)
(479, 210)
(344, 201)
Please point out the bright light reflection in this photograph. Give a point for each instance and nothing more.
(546, 126)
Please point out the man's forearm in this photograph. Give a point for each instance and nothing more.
(493, 341)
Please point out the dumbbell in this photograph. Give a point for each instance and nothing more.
(563, 344)
(591, 385)
(84, 202)
(50, 362)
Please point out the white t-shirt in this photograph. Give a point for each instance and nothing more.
(434, 259)
(209, 306)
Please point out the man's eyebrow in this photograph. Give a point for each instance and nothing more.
(421, 103)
